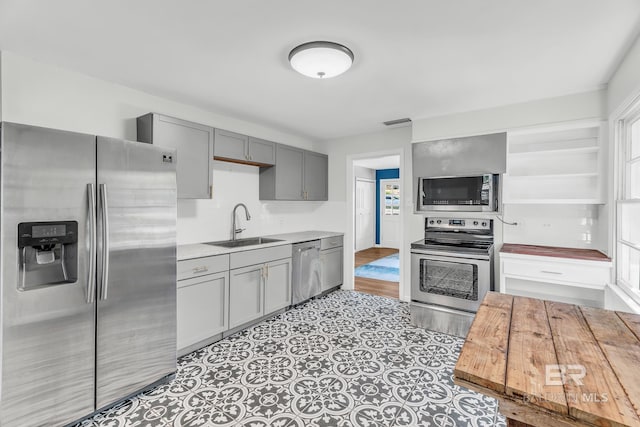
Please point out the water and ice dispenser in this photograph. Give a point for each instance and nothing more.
(48, 253)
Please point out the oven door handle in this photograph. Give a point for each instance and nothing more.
(450, 256)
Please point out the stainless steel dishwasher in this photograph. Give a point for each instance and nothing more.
(306, 271)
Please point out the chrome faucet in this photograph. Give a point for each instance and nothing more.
(235, 230)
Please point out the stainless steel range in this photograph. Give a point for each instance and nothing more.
(451, 271)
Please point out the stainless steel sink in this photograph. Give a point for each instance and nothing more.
(251, 241)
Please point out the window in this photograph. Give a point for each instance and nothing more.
(391, 199)
(628, 204)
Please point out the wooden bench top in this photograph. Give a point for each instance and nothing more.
(549, 362)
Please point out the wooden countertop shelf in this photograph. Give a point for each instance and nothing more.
(554, 252)
(517, 346)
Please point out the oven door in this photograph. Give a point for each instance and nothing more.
(449, 281)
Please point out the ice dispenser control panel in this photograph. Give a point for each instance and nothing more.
(48, 253)
(47, 233)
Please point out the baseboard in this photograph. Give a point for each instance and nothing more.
(615, 298)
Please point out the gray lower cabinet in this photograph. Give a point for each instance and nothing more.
(260, 289)
(201, 308)
(202, 301)
(277, 288)
(194, 145)
(331, 262)
(331, 265)
(246, 295)
(297, 175)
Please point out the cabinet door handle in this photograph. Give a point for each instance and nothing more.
(200, 269)
(550, 272)
(267, 271)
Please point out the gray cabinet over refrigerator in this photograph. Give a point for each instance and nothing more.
(194, 145)
(88, 287)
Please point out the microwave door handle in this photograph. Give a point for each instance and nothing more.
(91, 281)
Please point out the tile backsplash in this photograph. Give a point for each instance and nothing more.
(555, 225)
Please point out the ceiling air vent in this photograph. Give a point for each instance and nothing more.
(397, 122)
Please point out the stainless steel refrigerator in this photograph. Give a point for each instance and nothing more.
(88, 267)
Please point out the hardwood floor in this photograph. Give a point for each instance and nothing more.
(373, 286)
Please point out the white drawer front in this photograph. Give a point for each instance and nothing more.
(587, 273)
(200, 266)
(259, 256)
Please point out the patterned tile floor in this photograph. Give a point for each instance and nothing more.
(347, 359)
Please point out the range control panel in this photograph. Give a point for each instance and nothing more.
(459, 223)
(47, 233)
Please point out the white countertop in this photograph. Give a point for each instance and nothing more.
(199, 250)
(304, 236)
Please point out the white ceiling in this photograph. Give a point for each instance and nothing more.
(413, 58)
(386, 162)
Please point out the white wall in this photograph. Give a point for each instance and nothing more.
(588, 105)
(207, 220)
(341, 151)
(557, 225)
(45, 95)
(362, 172)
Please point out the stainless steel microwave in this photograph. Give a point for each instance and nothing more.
(478, 193)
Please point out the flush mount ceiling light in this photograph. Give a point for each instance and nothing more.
(321, 59)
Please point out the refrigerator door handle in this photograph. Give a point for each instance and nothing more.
(104, 213)
(91, 282)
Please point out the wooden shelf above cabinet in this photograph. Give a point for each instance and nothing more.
(241, 162)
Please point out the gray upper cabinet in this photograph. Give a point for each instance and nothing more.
(316, 176)
(297, 175)
(235, 147)
(194, 145)
(289, 173)
(231, 145)
(262, 151)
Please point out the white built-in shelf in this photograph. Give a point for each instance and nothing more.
(557, 152)
(560, 165)
(556, 201)
(556, 176)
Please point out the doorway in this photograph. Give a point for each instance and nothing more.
(365, 213)
(389, 222)
(377, 225)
